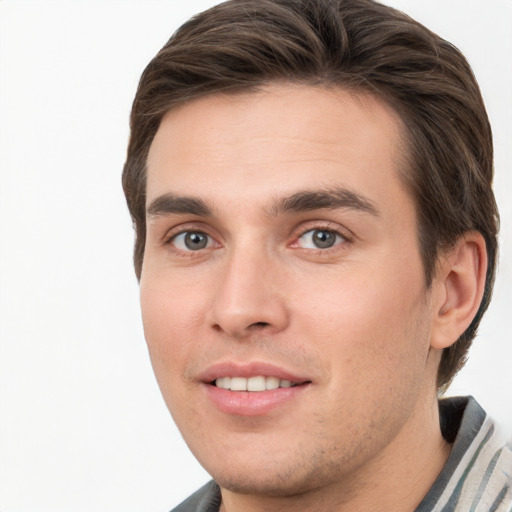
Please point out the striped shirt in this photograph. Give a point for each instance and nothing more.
(477, 476)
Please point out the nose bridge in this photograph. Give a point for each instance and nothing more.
(248, 297)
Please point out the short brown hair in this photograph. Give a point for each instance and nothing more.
(241, 45)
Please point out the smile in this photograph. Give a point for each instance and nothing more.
(253, 384)
(254, 388)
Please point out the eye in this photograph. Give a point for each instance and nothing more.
(319, 239)
(191, 241)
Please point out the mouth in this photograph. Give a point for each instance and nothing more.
(253, 389)
(255, 384)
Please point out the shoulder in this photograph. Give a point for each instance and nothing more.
(206, 499)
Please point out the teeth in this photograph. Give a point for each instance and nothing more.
(238, 384)
(223, 382)
(271, 382)
(258, 383)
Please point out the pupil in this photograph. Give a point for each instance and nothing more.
(323, 239)
(195, 241)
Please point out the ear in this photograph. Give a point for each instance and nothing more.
(458, 288)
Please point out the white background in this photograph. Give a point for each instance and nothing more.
(82, 423)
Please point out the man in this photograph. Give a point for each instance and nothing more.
(316, 236)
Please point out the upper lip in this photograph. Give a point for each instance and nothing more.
(251, 369)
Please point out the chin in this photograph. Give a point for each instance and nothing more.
(275, 478)
(282, 484)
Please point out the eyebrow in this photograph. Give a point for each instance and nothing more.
(169, 203)
(301, 201)
(330, 199)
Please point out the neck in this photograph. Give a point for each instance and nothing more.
(394, 481)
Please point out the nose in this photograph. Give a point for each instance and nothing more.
(249, 299)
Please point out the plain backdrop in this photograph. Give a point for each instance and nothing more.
(82, 423)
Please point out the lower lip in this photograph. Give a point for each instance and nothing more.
(256, 403)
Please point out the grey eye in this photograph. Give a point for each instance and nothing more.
(319, 239)
(191, 241)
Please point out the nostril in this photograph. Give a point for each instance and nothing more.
(259, 324)
(241, 332)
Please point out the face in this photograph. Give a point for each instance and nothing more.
(282, 290)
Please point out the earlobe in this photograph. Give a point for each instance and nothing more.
(459, 287)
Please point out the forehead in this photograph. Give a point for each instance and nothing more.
(275, 138)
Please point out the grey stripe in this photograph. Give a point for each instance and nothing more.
(454, 498)
(485, 480)
(499, 500)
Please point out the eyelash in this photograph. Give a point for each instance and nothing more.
(201, 234)
(342, 238)
(326, 228)
(172, 235)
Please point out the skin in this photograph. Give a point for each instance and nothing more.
(355, 318)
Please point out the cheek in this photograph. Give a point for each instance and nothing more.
(370, 326)
(171, 317)
(373, 346)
